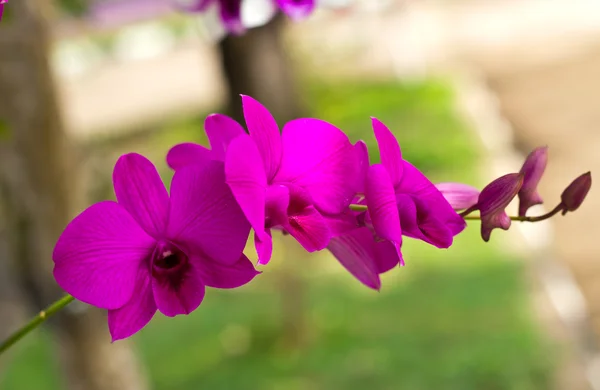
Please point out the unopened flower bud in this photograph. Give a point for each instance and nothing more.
(493, 200)
(573, 196)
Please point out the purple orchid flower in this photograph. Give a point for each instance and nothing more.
(148, 251)
(494, 199)
(423, 211)
(287, 181)
(532, 170)
(230, 11)
(400, 201)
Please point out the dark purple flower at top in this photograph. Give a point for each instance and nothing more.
(230, 12)
(574, 195)
(297, 9)
(2, 2)
(493, 201)
(288, 180)
(532, 171)
(149, 251)
(423, 211)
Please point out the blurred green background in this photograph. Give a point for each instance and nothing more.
(455, 319)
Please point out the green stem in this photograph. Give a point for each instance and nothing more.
(466, 217)
(35, 322)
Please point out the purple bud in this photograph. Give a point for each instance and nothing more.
(493, 200)
(532, 172)
(573, 196)
(460, 196)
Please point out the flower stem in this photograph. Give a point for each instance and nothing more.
(466, 217)
(35, 322)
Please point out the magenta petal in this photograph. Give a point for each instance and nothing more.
(532, 170)
(297, 9)
(218, 275)
(420, 222)
(204, 214)
(493, 200)
(141, 192)
(136, 313)
(419, 187)
(183, 297)
(387, 256)
(319, 158)
(309, 228)
(381, 203)
(247, 179)
(498, 220)
(389, 150)
(341, 223)
(363, 165)
(188, 153)
(265, 133)
(460, 196)
(264, 249)
(221, 130)
(355, 250)
(97, 257)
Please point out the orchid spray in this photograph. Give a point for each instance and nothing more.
(153, 250)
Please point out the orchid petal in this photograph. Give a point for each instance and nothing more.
(319, 158)
(188, 153)
(363, 165)
(381, 202)
(532, 170)
(264, 249)
(136, 313)
(460, 196)
(355, 250)
(420, 222)
(389, 150)
(204, 214)
(264, 131)
(419, 187)
(247, 179)
(341, 223)
(175, 294)
(226, 276)
(305, 223)
(221, 130)
(493, 200)
(97, 257)
(141, 192)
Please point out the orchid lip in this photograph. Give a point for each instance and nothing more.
(168, 259)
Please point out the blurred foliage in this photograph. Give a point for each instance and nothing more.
(456, 319)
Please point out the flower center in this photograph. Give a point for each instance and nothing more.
(168, 259)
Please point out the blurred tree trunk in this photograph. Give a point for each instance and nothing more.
(37, 179)
(257, 64)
